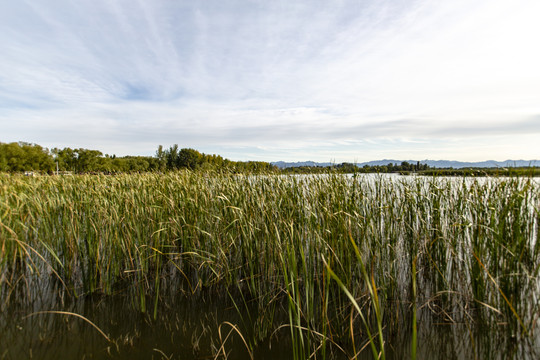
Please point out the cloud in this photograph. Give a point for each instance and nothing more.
(345, 77)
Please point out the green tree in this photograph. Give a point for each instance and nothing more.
(88, 160)
(66, 158)
(24, 156)
(172, 157)
(161, 156)
(189, 158)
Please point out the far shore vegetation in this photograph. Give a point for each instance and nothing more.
(23, 157)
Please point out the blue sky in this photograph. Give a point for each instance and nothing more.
(275, 80)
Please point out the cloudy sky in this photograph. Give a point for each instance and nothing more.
(323, 80)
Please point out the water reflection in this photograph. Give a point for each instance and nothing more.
(188, 327)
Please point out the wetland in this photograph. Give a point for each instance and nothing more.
(188, 265)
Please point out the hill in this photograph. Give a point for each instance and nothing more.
(430, 163)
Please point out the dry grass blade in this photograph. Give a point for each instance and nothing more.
(71, 314)
(503, 295)
(222, 347)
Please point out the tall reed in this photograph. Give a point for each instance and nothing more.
(459, 251)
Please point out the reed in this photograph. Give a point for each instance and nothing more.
(316, 247)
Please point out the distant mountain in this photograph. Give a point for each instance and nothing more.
(431, 163)
(481, 164)
(283, 164)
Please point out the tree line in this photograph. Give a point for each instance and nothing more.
(350, 168)
(22, 157)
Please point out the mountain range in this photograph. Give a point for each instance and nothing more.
(430, 163)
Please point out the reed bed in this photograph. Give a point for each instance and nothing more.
(354, 263)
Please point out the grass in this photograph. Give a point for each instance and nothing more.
(349, 259)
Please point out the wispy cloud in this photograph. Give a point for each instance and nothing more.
(339, 80)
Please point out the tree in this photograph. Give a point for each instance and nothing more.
(161, 157)
(67, 158)
(172, 157)
(406, 166)
(189, 158)
(24, 156)
(88, 160)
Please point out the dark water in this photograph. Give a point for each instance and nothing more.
(171, 326)
(188, 327)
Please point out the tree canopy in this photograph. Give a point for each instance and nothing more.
(28, 157)
(21, 156)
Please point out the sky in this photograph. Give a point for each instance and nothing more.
(291, 80)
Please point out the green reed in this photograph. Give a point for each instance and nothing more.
(316, 247)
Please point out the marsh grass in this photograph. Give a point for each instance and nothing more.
(354, 262)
